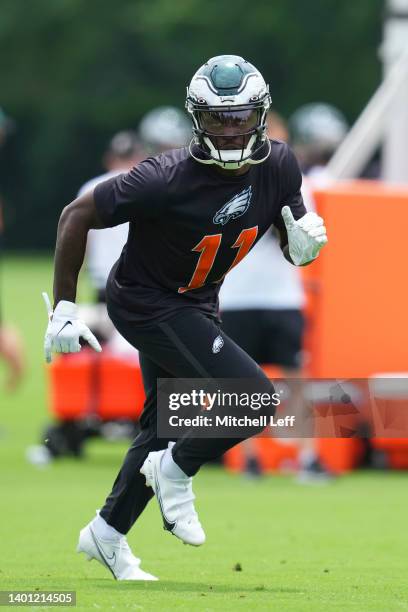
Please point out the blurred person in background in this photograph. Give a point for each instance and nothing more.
(316, 131)
(163, 128)
(11, 348)
(261, 303)
(222, 191)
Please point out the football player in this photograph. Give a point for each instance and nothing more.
(194, 213)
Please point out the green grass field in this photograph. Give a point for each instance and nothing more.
(340, 547)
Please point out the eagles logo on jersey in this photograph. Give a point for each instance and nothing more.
(217, 344)
(237, 206)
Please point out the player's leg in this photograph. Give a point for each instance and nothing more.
(104, 537)
(230, 363)
(184, 346)
(130, 495)
(245, 328)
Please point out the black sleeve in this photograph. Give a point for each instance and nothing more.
(128, 197)
(291, 182)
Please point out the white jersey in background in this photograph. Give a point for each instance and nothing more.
(264, 280)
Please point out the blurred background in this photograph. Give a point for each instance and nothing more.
(75, 74)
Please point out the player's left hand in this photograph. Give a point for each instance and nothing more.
(306, 236)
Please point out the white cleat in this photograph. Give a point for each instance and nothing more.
(113, 554)
(175, 499)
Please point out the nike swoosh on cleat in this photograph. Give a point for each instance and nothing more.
(168, 526)
(64, 326)
(104, 558)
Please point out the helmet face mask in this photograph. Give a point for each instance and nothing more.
(228, 101)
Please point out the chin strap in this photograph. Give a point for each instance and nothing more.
(232, 165)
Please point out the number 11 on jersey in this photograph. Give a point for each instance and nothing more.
(208, 249)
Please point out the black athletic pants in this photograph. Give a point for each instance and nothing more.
(179, 347)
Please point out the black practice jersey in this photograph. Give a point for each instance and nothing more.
(189, 225)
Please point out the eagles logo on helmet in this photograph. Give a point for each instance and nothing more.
(228, 100)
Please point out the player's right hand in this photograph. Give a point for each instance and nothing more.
(306, 236)
(65, 329)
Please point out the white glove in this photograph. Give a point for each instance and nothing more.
(306, 236)
(65, 329)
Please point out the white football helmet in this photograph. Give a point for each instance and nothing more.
(317, 130)
(228, 100)
(165, 127)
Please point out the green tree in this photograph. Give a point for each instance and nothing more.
(74, 72)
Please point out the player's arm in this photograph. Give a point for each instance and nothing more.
(128, 197)
(76, 220)
(64, 326)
